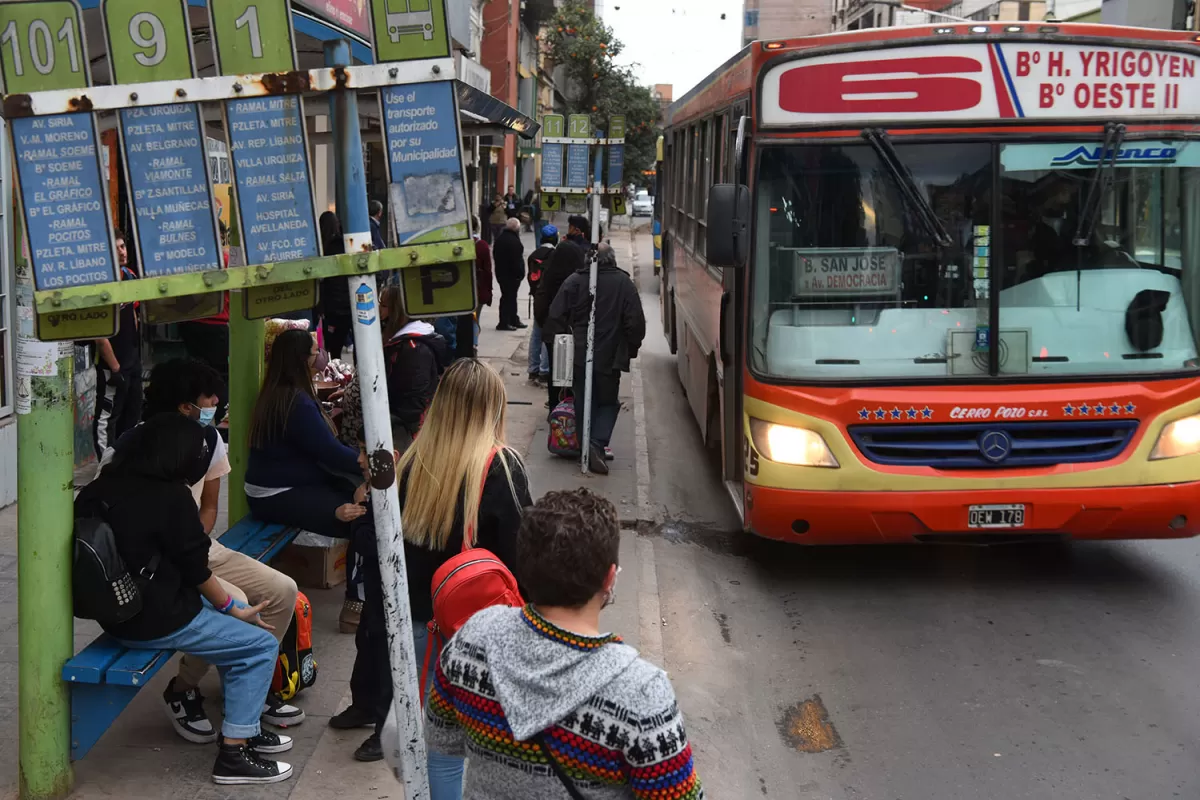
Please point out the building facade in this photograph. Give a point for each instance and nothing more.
(784, 19)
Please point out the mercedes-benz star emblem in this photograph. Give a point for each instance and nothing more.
(995, 446)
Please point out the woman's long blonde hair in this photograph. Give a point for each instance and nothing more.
(464, 425)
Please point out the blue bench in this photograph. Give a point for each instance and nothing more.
(105, 676)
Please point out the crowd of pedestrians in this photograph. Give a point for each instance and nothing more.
(522, 732)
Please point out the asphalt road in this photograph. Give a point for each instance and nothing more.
(915, 673)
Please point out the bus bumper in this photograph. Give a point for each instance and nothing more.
(1121, 512)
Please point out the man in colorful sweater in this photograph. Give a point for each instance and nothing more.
(542, 703)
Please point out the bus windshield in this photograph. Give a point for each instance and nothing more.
(851, 282)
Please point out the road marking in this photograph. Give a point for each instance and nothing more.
(649, 610)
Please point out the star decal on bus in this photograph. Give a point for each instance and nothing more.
(896, 413)
(1099, 408)
(1084, 409)
(1115, 408)
(864, 414)
(1130, 408)
(1069, 410)
(912, 413)
(926, 413)
(880, 413)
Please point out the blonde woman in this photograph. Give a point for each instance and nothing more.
(460, 449)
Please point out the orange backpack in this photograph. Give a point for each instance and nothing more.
(468, 582)
(296, 668)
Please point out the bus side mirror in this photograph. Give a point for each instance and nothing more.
(728, 243)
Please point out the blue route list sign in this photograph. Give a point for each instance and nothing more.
(270, 166)
(70, 238)
(616, 165)
(578, 172)
(428, 200)
(166, 161)
(552, 164)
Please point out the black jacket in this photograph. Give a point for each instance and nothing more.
(508, 255)
(538, 261)
(497, 525)
(564, 261)
(154, 517)
(335, 292)
(620, 323)
(414, 364)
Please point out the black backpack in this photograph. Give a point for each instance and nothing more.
(102, 587)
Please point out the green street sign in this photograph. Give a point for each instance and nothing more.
(252, 36)
(41, 46)
(404, 30)
(552, 125)
(552, 202)
(99, 322)
(616, 127)
(580, 126)
(439, 290)
(263, 302)
(148, 45)
(181, 309)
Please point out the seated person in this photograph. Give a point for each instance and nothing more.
(193, 389)
(144, 495)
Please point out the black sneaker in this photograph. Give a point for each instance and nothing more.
(268, 742)
(505, 328)
(518, 324)
(186, 710)
(370, 750)
(280, 714)
(596, 461)
(352, 717)
(239, 764)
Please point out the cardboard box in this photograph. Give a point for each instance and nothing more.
(314, 562)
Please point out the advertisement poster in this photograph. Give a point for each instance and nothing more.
(352, 15)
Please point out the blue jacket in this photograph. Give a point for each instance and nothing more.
(306, 455)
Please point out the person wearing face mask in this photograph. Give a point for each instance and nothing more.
(143, 494)
(565, 704)
(191, 389)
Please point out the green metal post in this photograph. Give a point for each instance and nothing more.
(247, 341)
(45, 496)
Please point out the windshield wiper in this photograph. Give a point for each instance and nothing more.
(1102, 179)
(886, 151)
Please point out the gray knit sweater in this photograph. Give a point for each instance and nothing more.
(609, 718)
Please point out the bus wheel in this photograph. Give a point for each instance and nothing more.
(671, 338)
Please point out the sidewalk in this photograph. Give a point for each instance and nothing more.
(140, 757)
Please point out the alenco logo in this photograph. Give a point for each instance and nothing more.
(893, 85)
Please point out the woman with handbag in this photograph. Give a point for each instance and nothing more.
(144, 495)
(458, 480)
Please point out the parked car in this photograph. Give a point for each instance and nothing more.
(643, 205)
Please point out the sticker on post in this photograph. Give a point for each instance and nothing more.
(859, 271)
(364, 304)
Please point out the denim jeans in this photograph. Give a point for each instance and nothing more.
(539, 359)
(445, 772)
(243, 654)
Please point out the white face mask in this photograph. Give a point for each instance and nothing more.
(612, 590)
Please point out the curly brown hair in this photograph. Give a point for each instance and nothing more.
(567, 543)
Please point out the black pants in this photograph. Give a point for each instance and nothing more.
(337, 334)
(118, 406)
(508, 300)
(464, 337)
(371, 680)
(210, 345)
(606, 404)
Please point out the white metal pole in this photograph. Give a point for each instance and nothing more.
(585, 440)
(385, 502)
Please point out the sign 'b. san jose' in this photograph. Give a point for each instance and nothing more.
(58, 161)
(166, 158)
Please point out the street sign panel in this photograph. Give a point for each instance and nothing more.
(252, 36)
(262, 302)
(552, 125)
(577, 154)
(270, 168)
(438, 291)
(616, 126)
(552, 202)
(409, 29)
(618, 206)
(425, 171)
(41, 46)
(616, 165)
(83, 323)
(146, 45)
(552, 152)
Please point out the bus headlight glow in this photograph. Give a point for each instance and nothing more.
(787, 445)
(1178, 438)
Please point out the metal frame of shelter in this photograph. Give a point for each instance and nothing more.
(45, 424)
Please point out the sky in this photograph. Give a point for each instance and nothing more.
(674, 41)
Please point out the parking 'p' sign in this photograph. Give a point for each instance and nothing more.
(58, 161)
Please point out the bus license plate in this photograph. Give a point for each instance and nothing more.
(998, 516)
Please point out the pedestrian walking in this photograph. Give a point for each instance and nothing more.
(539, 356)
(118, 368)
(375, 210)
(144, 496)
(497, 218)
(467, 338)
(620, 329)
(461, 448)
(509, 253)
(538, 698)
(564, 262)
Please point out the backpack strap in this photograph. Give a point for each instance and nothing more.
(559, 772)
(470, 526)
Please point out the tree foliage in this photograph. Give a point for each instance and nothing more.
(586, 49)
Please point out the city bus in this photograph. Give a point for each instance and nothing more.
(942, 283)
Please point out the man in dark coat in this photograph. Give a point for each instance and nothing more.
(508, 253)
(620, 329)
(564, 261)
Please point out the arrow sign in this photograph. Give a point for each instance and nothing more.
(551, 202)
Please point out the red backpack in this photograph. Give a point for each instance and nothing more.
(470, 581)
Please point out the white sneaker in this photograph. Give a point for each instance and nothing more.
(280, 714)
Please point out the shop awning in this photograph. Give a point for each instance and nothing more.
(484, 115)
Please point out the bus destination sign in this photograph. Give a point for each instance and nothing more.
(820, 272)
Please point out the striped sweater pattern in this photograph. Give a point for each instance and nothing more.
(626, 739)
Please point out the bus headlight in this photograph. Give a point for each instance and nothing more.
(787, 445)
(1178, 438)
